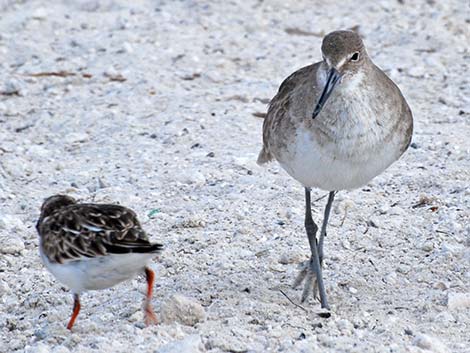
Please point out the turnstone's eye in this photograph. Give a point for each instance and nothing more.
(355, 56)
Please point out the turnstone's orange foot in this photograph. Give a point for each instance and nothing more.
(150, 317)
(94, 246)
(76, 310)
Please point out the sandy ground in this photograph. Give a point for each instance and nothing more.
(153, 104)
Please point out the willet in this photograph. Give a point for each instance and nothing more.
(94, 246)
(335, 125)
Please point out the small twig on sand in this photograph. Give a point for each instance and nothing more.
(345, 215)
(4, 150)
(59, 74)
(372, 263)
(289, 299)
(53, 73)
(367, 228)
(320, 198)
(293, 31)
(20, 129)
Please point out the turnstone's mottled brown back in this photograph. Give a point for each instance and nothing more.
(71, 231)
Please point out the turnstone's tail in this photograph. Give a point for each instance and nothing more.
(123, 248)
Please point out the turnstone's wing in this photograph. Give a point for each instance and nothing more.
(89, 230)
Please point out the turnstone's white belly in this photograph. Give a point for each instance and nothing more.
(98, 272)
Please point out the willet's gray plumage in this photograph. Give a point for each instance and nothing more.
(335, 125)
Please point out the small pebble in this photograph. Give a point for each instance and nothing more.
(189, 344)
(345, 326)
(11, 87)
(326, 340)
(384, 209)
(373, 222)
(76, 137)
(193, 222)
(40, 13)
(440, 285)
(38, 348)
(183, 310)
(89, 5)
(451, 250)
(290, 257)
(391, 278)
(430, 343)
(40, 334)
(445, 318)
(192, 178)
(4, 288)
(344, 206)
(458, 301)
(402, 268)
(427, 246)
(416, 71)
(60, 349)
(227, 343)
(101, 184)
(11, 223)
(11, 245)
(140, 325)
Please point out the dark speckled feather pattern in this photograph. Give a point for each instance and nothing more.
(72, 231)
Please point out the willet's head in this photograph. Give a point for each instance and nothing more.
(343, 54)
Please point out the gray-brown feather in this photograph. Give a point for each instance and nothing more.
(277, 125)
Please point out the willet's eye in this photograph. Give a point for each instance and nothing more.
(355, 57)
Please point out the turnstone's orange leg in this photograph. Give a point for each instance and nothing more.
(150, 317)
(76, 310)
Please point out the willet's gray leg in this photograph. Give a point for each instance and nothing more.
(313, 268)
(326, 216)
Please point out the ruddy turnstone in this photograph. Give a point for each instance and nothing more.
(335, 125)
(94, 246)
